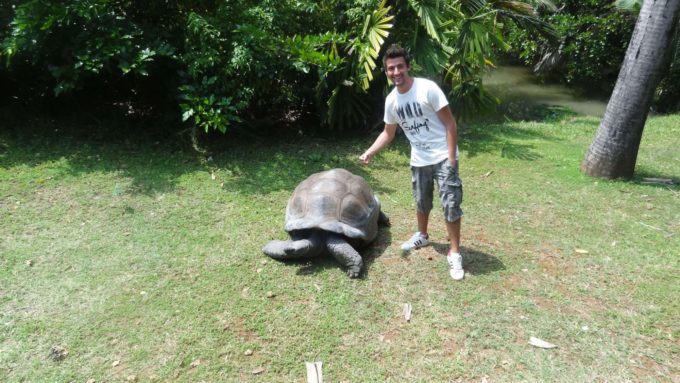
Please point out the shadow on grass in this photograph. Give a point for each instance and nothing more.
(152, 168)
(314, 266)
(657, 180)
(256, 166)
(282, 166)
(475, 262)
(480, 139)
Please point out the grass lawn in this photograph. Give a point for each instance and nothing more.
(121, 262)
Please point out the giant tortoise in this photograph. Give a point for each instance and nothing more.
(333, 210)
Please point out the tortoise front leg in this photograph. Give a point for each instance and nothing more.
(277, 249)
(345, 254)
(299, 247)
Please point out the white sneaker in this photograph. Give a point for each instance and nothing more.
(455, 261)
(416, 241)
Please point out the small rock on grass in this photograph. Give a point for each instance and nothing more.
(258, 371)
(248, 352)
(58, 353)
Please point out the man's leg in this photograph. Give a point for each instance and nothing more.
(423, 220)
(453, 229)
(423, 187)
(451, 194)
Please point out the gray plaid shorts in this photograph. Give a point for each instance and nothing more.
(449, 185)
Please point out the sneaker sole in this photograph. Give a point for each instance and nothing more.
(457, 277)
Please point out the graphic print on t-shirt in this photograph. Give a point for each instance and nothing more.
(414, 112)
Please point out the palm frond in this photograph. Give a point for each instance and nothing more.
(474, 40)
(535, 4)
(429, 57)
(470, 98)
(429, 16)
(516, 7)
(471, 7)
(376, 29)
(532, 23)
(346, 107)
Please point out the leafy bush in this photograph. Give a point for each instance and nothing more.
(251, 62)
(594, 38)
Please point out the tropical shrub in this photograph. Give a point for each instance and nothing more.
(594, 39)
(594, 36)
(252, 62)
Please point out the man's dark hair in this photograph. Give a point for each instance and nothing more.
(394, 51)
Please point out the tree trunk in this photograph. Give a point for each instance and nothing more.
(614, 150)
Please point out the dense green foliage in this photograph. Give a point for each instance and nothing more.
(250, 62)
(594, 36)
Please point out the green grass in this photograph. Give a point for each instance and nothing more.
(145, 263)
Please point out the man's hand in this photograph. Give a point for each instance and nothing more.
(365, 158)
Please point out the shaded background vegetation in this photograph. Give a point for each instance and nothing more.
(309, 66)
(593, 39)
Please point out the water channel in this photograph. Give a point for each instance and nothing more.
(517, 83)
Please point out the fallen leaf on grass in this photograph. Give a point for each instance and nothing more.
(196, 363)
(314, 372)
(29, 262)
(258, 370)
(581, 251)
(248, 352)
(115, 363)
(270, 294)
(488, 173)
(407, 312)
(540, 343)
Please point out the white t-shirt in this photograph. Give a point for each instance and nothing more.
(416, 113)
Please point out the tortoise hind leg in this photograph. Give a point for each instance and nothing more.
(384, 220)
(345, 254)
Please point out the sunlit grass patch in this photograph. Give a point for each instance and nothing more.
(145, 263)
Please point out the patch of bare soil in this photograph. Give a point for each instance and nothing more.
(553, 262)
(237, 327)
(646, 369)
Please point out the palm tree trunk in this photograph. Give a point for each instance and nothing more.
(614, 150)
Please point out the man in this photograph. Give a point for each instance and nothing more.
(420, 108)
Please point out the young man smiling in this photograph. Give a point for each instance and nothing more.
(421, 109)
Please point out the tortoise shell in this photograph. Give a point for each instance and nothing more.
(336, 201)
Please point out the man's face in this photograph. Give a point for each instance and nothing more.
(397, 70)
